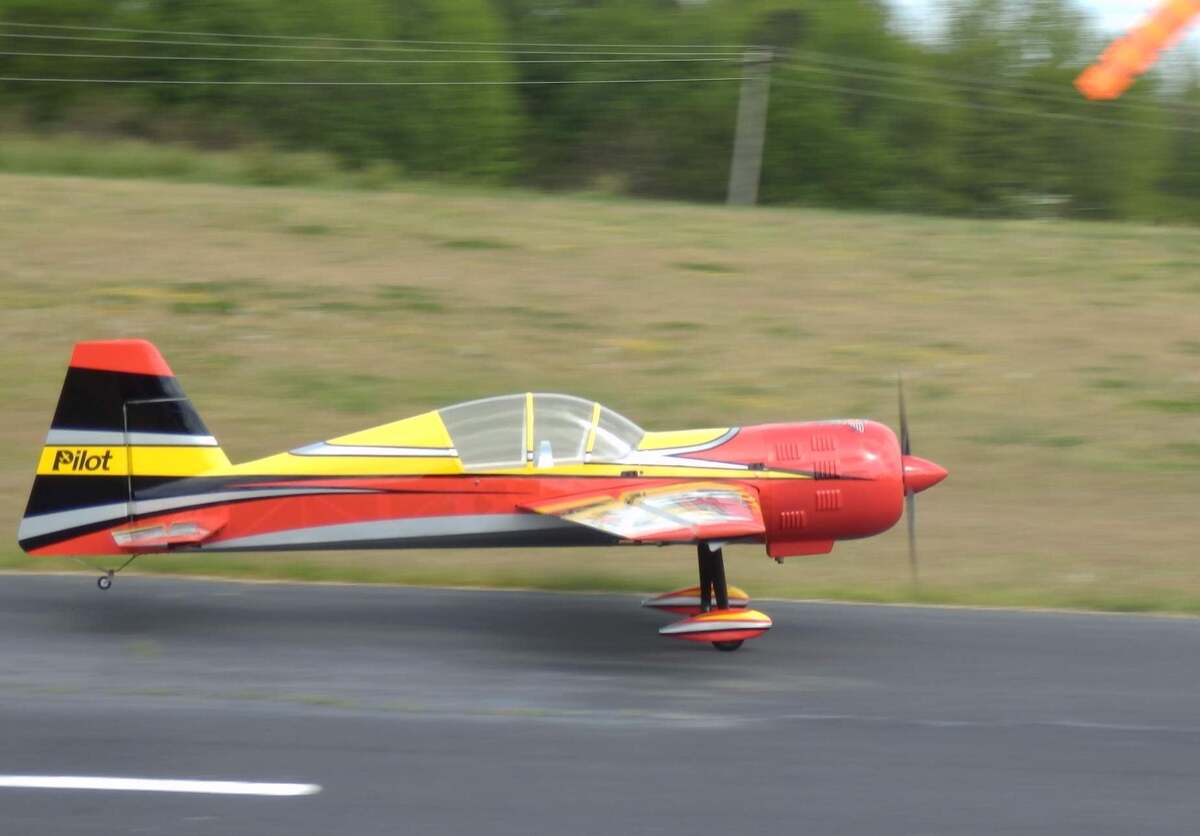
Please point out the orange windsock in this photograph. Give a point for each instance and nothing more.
(1132, 54)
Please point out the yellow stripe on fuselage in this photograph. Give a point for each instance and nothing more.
(126, 461)
(680, 438)
(424, 430)
(288, 464)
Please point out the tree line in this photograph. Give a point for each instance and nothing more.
(630, 96)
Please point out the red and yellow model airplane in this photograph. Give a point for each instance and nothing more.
(130, 469)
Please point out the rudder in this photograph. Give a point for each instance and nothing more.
(122, 419)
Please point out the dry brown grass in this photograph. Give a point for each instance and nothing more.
(1054, 367)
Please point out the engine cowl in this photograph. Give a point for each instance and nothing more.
(850, 484)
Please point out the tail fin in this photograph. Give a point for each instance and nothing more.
(122, 419)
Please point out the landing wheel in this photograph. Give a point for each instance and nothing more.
(723, 627)
(105, 580)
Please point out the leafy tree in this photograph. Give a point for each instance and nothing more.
(983, 121)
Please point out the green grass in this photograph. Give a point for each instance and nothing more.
(706, 267)
(540, 319)
(786, 330)
(222, 307)
(77, 156)
(476, 244)
(311, 229)
(408, 298)
(1114, 383)
(1071, 430)
(352, 394)
(1173, 406)
(1022, 434)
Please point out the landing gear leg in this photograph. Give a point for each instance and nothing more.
(714, 585)
(704, 558)
(712, 578)
(720, 587)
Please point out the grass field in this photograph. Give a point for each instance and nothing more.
(1054, 367)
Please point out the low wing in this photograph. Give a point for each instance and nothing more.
(682, 512)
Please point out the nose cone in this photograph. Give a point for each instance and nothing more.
(920, 473)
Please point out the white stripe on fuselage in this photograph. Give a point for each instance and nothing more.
(324, 448)
(115, 438)
(363, 533)
(41, 524)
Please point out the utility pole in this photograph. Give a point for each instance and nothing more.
(746, 164)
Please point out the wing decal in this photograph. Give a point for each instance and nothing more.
(187, 528)
(676, 513)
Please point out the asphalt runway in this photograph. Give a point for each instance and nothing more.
(454, 712)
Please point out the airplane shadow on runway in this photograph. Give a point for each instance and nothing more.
(549, 625)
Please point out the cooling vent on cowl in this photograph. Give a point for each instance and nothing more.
(792, 520)
(787, 451)
(825, 469)
(828, 500)
(824, 443)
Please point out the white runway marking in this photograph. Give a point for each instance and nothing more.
(91, 782)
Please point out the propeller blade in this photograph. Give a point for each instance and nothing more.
(910, 511)
(905, 441)
(910, 496)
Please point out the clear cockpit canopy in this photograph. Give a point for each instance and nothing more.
(542, 429)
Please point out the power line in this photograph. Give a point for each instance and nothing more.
(1062, 97)
(978, 106)
(356, 48)
(282, 83)
(881, 70)
(932, 73)
(259, 59)
(838, 65)
(713, 52)
(80, 28)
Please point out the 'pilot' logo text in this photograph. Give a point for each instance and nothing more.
(78, 461)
